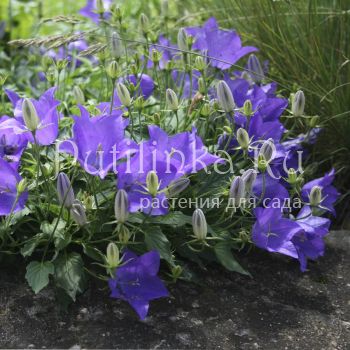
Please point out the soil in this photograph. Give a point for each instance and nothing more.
(279, 308)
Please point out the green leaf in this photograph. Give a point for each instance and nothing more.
(93, 253)
(38, 274)
(29, 247)
(176, 218)
(156, 239)
(69, 273)
(225, 257)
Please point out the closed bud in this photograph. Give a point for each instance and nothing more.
(237, 191)
(144, 23)
(165, 8)
(268, 150)
(172, 100)
(30, 116)
(139, 103)
(64, 190)
(121, 206)
(124, 235)
(117, 49)
(255, 69)
(156, 56)
(205, 110)
(176, 271)
(61, 64)
(152, 183)
(182, 41)
(178, 186)
(313, 122)
(201, 86)
(315, 196)
(22, 186)
(225, 97)
(199, 225)
(227, 129)
(248, 108)
(100, 9)
(200, 64)
(123, 94)
(292, 176)
(78, 213)
(112, 256)
(3, 78)
(78, 95)
(243, 138)
(249, 178)
(298, 103)
(113, 70)
(156, 118)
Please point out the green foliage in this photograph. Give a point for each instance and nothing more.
(38, 274)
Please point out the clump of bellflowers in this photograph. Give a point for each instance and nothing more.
(142, 151)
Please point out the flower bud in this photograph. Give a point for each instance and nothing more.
(30, 116)
(100, 9)
(298, 103)
(227, 129)
(201, 86)
(78, 95)
(243, 138)
(144, 23)
(199, 225)
(165, 8)
(248, 108)
(313, 122)
(225, 97)
(64, 190)
(121, 206)
(315, 196)
(178, 186)
(176, 271)
(156, 56)
(113, 70)
(237, 191)
(205, 110)
(78, 213)
(112, 256)
(123, 94)
(172, 100)
(254, 68)
(22, 186)
(268, 150)
(124, 235)
(152, 183)
(292, 176)
(61, 64)
(117, 49)
(249, 177)
(182, 41)
(200, 64)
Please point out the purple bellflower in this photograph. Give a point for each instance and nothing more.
(9, 179)
(137, 282)
(273, 233)
(98, 142)
(224, 45)
(329, 192)
(90, 10)
(46, 109)
(12, 145)
(309, 243)
(171, 157)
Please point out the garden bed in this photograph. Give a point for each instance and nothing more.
(280, 308)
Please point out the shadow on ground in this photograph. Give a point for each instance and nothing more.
(280, 308)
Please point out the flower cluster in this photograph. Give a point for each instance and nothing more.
(168, 150)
